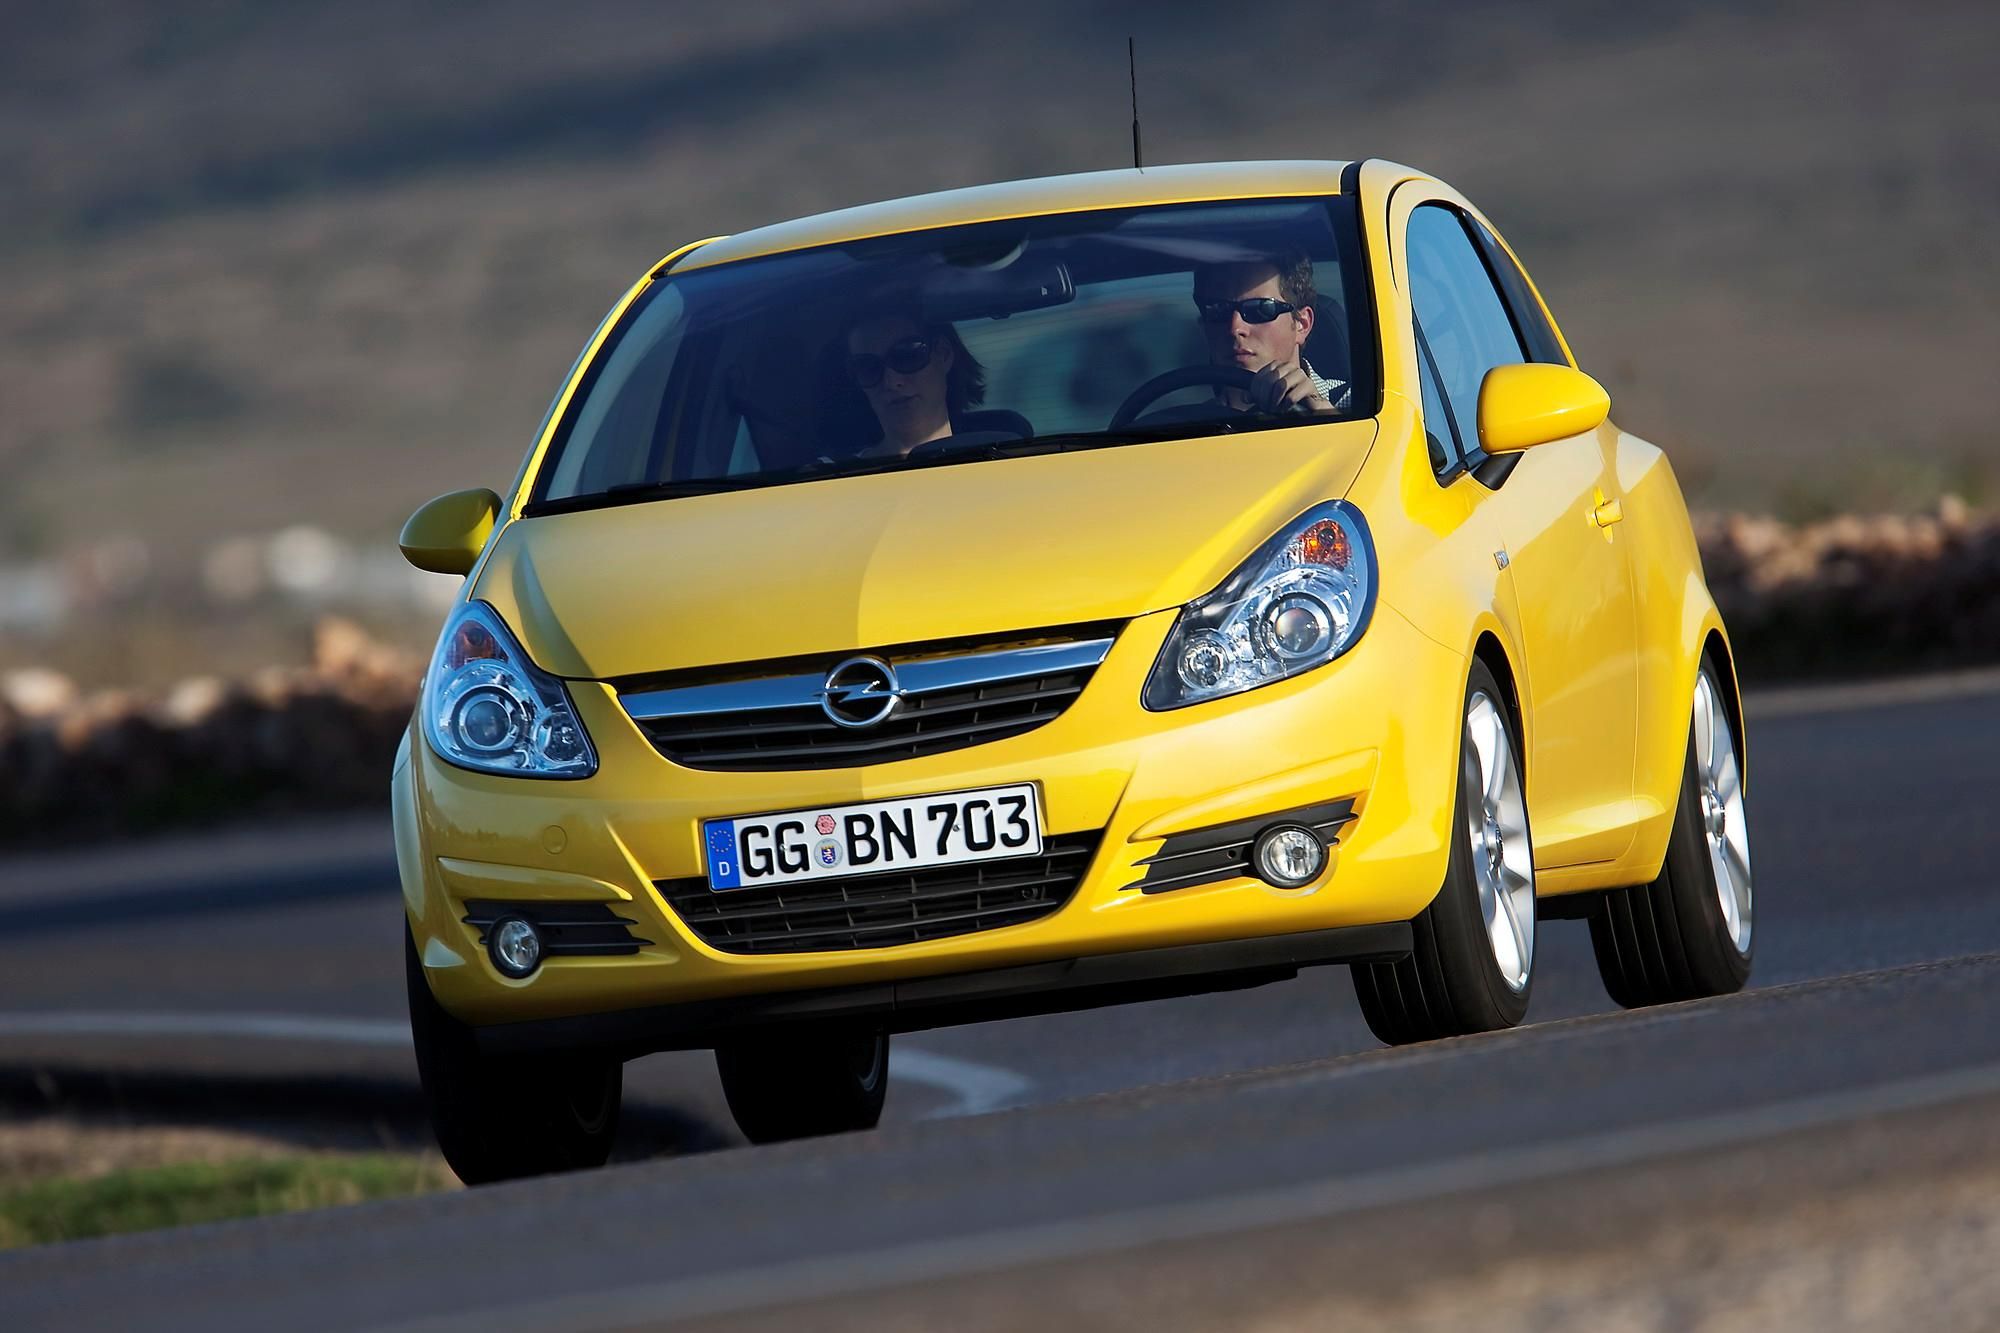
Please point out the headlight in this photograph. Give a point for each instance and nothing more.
(488, 708)
(1301, 600)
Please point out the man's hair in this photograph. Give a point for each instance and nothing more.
(1295, 274)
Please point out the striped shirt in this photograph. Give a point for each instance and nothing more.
(1337, 392)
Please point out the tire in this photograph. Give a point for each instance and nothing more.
(1688, 934)
(502, 1120)
(806, 1082)
(1472, 968)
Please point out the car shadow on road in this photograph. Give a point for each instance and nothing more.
(307, 1112)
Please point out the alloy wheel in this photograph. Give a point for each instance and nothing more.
(1719, 783)
(1496, 825)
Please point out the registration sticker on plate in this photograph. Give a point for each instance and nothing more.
(838, 840)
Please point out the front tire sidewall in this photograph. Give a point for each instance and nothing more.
(805, 1083)
(1451, 985)
(506, 1119)
(1489, 1003)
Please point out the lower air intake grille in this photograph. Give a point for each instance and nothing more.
(568, 930)
(883, 910)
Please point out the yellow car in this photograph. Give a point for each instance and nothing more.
(1041, 596)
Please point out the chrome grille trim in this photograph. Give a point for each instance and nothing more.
(937, 700)
(918, 678)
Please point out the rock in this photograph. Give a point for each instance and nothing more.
(37, 692)
(193, 701)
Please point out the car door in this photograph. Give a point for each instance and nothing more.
(1555, 508)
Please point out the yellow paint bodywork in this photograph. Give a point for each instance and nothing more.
(1597, 628)
(1530, 404)
(446, 535)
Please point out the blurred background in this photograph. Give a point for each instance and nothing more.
(275, 274)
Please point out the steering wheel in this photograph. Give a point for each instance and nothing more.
(1187, 377)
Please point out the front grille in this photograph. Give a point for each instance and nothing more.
(573, 930)
(883, 910)
(946, 703)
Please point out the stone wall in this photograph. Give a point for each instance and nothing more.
(1847, 597)
(1856, 596)
(208, 750)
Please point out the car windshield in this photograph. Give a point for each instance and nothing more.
(1079, 330)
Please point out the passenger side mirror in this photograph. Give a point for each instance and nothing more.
(1525, 405)
(447, 534)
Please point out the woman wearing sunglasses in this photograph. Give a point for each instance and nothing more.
(916, 377)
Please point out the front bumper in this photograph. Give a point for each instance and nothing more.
(1378, 727)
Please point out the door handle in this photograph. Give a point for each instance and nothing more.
(1606, 513)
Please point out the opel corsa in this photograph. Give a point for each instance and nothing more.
(1042, 596)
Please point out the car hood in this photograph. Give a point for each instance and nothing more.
(850, 563)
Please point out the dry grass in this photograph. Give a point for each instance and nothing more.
(37, 1148)
(69, 1177)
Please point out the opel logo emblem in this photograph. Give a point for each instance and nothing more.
(860, 692)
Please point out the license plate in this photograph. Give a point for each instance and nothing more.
(833, 841)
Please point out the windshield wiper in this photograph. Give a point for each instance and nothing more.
(638, 492)
(1067, 442)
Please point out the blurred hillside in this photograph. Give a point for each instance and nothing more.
(272, 265)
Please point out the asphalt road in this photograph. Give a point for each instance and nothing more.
(1117, 1167)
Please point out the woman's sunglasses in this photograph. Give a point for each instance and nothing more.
(905, 357)
(1255, 310)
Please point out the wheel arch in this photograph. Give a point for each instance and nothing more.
(1666, 708)
(1715, 647)
(1488, 649)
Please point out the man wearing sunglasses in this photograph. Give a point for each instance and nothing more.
(1257, 316)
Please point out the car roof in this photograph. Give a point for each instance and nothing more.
(1126, 188)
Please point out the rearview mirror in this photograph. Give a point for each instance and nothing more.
(1526, 405)
(447, 534)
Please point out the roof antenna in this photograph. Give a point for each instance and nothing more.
(1132, 63)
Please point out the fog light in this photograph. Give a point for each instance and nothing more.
(1289, 856)
(515, 946)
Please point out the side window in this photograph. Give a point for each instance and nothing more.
(1536, 332)
(1458, 312)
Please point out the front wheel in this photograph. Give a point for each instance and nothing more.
(1474, 958)
(503, 1119)
(804, 1083)
(1686, 935)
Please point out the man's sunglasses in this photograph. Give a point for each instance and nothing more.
(905, 357)
(1255, 310)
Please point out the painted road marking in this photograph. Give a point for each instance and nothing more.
(734, 1291)
(979, 1088)
(976, 1088)
(272, 1027)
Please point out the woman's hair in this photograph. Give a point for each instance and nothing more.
(846, 422)
(964, 383)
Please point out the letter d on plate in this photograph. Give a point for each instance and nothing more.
(723, 871)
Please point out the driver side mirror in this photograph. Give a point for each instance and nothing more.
(1525, 405)
(447, 534)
